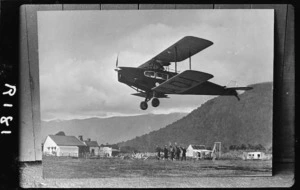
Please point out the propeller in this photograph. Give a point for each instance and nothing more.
(117, 62)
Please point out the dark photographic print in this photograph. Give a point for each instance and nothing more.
(156, 93)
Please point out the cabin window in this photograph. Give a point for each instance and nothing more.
(150, 74)
(162, 76)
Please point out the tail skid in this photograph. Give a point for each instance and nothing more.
(236, 89)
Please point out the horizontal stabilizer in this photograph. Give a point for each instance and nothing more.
(182, 82)
(240, 88)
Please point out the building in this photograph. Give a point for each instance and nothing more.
(255, 155)
(193, 150)
(58, 145)
(93, 147)
(109, 150)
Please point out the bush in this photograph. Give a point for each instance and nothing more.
(231, 155)
(249, 147)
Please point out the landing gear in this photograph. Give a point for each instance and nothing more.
(144, 105)
(155, 102)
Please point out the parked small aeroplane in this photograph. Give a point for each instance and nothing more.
(154, 80)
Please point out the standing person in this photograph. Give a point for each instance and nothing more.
(198, 155)
(171, 152)
(158, 149)
(183, 157)
(166, 152)
(180, 155)
(176, 151)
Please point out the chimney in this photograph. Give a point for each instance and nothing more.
(89, 139)
(80, 137)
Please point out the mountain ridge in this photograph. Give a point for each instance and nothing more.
(248, 121)
(110, 130)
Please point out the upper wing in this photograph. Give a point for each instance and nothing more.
(181, 50)
(182, 82)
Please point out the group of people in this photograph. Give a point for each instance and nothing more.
(172, 152)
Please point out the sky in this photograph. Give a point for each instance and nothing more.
(78, 51)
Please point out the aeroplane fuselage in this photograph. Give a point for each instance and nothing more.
(146, 79)
(143, 79)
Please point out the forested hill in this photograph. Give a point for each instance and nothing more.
(222, 119)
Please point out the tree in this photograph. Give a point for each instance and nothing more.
(243, 147)
(250, 147)
(232, 147)
(259, 147)
(60, 133)
(127, 149)
(270, 149)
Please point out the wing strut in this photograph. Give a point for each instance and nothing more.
(175, 59)
(190, 59)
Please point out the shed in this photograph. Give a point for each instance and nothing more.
(109, 150)
(93, 147)
(63, 146)
(255, 155)
(192, 150)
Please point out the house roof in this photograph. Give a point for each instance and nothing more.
(66, 140)
(198, 147)
(91, 143)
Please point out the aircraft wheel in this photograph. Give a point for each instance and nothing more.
(155, 102)
(143, 105)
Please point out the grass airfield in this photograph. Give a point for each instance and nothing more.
(67, 167)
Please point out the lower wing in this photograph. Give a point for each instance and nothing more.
(195, 83)
(182, 82)
(144, 95)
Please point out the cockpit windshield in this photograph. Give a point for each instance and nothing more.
(150, 74)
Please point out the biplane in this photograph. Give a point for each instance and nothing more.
(154, 79)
